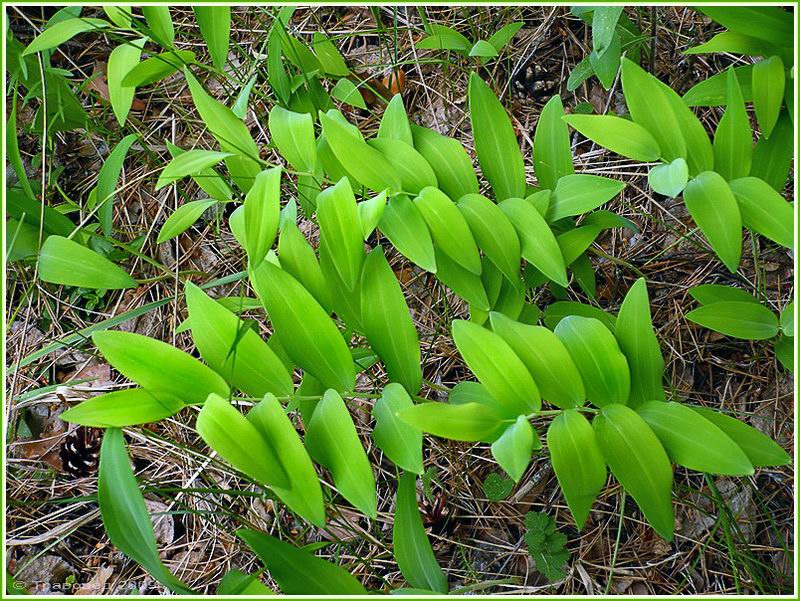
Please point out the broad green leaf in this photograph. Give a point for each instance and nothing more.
(233, 350)
(215, 25)
(276, 71)
(367, 164)
(484, 49)
(159, 367)
(209, 180)
(309, 336)
(464, 283)
(394, 123)
(770, 23)
(449, 228)
(329, 56)
(619, 135)
(340, 231)
(298, 54)
(787, 320)
(784, 350)
(64, 261)
(24, 208)
(14, 156)
(552, 155)
(120, 16)
(669, 179)
(699, 153)
(729, 41)
(514, 447)
(768, 86)
(299, 572)
(639, 462)
(714, 90)
(58, 33)
(733, 140)
(606, 65)
(604, 25)
(773, 156)
(231, 133)
(581, 193)
(370, 212)
(582, 71)
(347, 92)
(125, 407)
(126, 519)
(745, 320)
(494, 233)
(299, 260)
(183, 218)
(262, 214)
(107, 181)
(539, 245)
(760, 449)
(638, 342)
(650, 108)
(120, 62)
(764, 210)
(706, 294)
(412, 549)
(346, 301)
(333, 442)
(403, 224)
(190, 162)
(236, 582)
(469, 422)
(554, 313)
(387, 322)
(498, 368)
(156, 68)
(411, 167)
(239, 442)
(694, 442)
(495, 141)
(546, 358)
(603, 368)
(503, 36)
(577, 461)
(441, 37)
(400, 442)
(470, 392)
(710, 201)
(303, 494)
(239, 107)
(293, 134)
(160, 23)
(448, 159)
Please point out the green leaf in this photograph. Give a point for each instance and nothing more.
(606, 65)
(638, 342)
(293, 134)
(706, 294)
(120, 62)
(694, 442)
(713, 207)
(400, 442)
(262, 214)
(577, 461)
(387, 322)
(160, 23)
(347, 92)
(729, 41)
(745, 320)
(582, 71)
(669, 179)
(233, 350)
(619, 135)
(483, 49)
(121, 16)
(514, 447)
(190, 162)
(183, 218)
(411, 167)
(125, 407)
(552, 154)
(403, 224)
(329, 56)
(236, 582)
(714, 90)
(215, 25)
(760, 449)
(340, 230)
(639, 462)
(309, 336)
(503, 36)
(208, 180)
(107, 181)
(580, 193)
(239, 107)
(303, 494)
(239, 442)
(159, 367)
(469, 422)
(58, 33)
(367, 164)
(773, 156)
(370, 212)
(768, 86)
(554, 313)
(464, 283)
(650, 108)
(603, 367)
(449, 228)
(733, 140)
(539, 246)
(787, 320)
(63, 261)
(495, 141)
(604, 25)
(126, 519)
(299, 572)
(157, 67)
(443, 38)
(493, 232)
(394, 123)
(764, 210)
(333, 442)
(299, 260)
(546, 358)
(496, 487)
(770, 23)
(412, 549)
(448, 159)
(498, 368)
